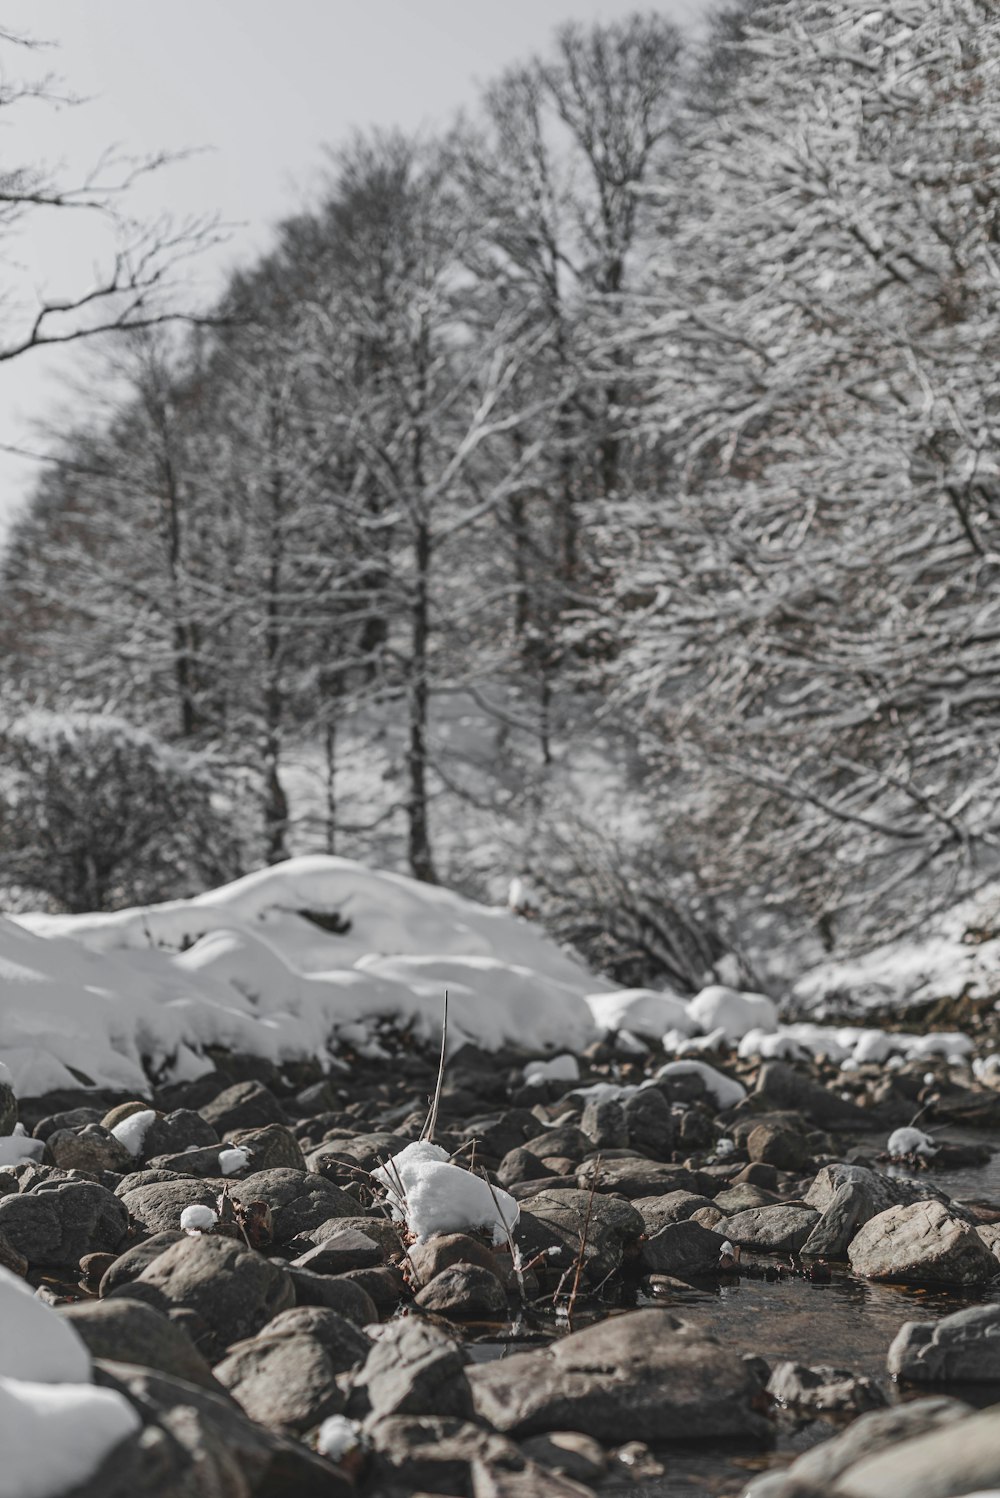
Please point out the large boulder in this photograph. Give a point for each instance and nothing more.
(959, 1457)
(963, 1348)
(921, 1244)
(129, 1331)
(848, 1196)
(777, 1229)
(157, 1208)
(414, 1369)
(54, 1225)
(684, 1250)
(221, 1290)
(299, 1201)
(285, 1380)
(643, 1376)
(562, 1220)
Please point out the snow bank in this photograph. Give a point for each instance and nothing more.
(433, 1196)
(99, 999)
(727, 1009)
(55, 1427)
(641, 1011)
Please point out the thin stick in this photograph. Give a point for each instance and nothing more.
(583, 1239)
(515, 1257)
(427, 1132)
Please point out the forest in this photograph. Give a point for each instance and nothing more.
(598, 500)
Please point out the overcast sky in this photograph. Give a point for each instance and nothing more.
(261, 87)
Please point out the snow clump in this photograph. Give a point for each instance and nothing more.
(198, 1219)
(911, 1142)
(718, 1007)
(431, 1195)
(563, 1068)
(726, 1091)
(233, 1159)
(338, 1437)
(132, 1131)
(19, 1146)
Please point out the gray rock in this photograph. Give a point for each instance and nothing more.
(341, 1252)
(8, 1109)
(246, 1105)
(178, 1131)
(299, 1201)
(742, 1196)
(960, 1457)
(773, 1230)
(604, 1124)
(823, 1389)
(643, 1376)
(560, 1219)
(56, 1224)
(445, 1249)
(91, 1148)
(71, 1118)
(635, 1176)
(963, 1348)
(674, 1206)
(520, 1165)
(464, 1292)
(568, 1452)
(650, 1124)
(284, 1380)
(130, 1264)
(684, 1250)
(770, 1144)
(271, 1147)
(343, 1342)
(157, 1208)
(565, 1141)
(781, 1088)
(415, 1369)
(202, 1163)
(386, 1234)
(434, 1454)
(868, 1434)
(490, 1480)
(129, 1331)
(333, 1292)
(227, 1291)
(920, 1244)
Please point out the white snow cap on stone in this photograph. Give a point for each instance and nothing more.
(198, 1219)
(911, 1142)
(19, 1146)
(718, 1007)
(433, 1196)
(337, 1436)
(55, 1428)
(233, 1159)
(563, 1068)
(132, 1131)
(725, 1091)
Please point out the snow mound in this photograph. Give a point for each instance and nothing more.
(721, 1008)
(725, 1091)
(563, 1068)
(278, 964)
(132, 1131)
(433, 1196)
(641, 1011)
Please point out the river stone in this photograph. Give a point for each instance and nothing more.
(604, 1123)
(883, 1191)
(285, 1381)
(644, 1376)
(464, 1292)
(560, 1219)
(433, 1454)
(340, 1252)
(772, 1230)
(920, 1244)
(229, 1291)
(635, 1176)
(490, 1480)
(299, 1201)
(963, 1348)
(387, 1234)
(520, 1165)
(177, 1131)
(650, 1123)
(344, 1343)
(780, 1088)
(684, 1250)
(157, 1208)
(272, 1147)
(770, 1144)
(742, 1198)
(246, 1105)
(203, 1163)
(675, 1206)
(823, 1389)
(568, 1452)
(55, 1225)
(566, 1140)
(199, 1442)
(91, 1148)
(12, 1258)
(130, 1264)
(118, 1114)
(445, 1249)
(814, 1473)
(129, 1331)
(8, 1109)
(960, 1457)
(415, 1369)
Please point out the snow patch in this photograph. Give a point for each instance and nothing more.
(433, 1196)
(132, 1131)
(198, 1219)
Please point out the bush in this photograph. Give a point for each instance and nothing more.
(98, 814)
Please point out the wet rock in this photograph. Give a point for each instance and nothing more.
(334, 1292)
(246, 1105)
(643, 1376)
(568, 1452)
(199, 1442)
(773, 1230)
(272, 1147)
(563, 1219)
(963, 1348)
(431, 1454)
(814, 1474)
(157, 1208)
(284, 1380)
(464, 1292)
(490, 1480)
(683, 1249)
(228, 1291)
(415, 1369)
(56, 1224)
(341, 1252)
(91, 1148)
(130, 1264)
(823, 1389)
(920, 1244)
(299, 1201)
(129, 1331)
(770, 1144)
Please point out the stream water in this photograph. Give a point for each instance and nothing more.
(848, 1323)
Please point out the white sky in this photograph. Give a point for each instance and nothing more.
(263, 87)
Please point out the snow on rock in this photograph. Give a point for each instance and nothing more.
(55, 1427)
(19, 1146)
(86, 998)
(433, 1196)
(641, 1011)
(721, 1008)
(563, 1068)
(237, 1157)
(726, 1091)
(911, 1142)
(132, 1131)
(198, 1219)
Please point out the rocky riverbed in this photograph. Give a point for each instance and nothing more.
(713, 1283)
